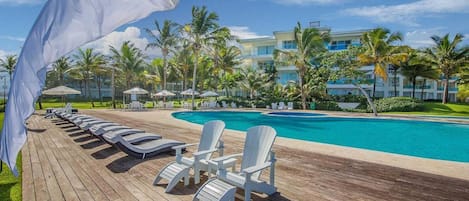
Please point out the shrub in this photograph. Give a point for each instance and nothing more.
(327, 105)
(397, 104)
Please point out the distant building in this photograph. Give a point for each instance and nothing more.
(258, 54)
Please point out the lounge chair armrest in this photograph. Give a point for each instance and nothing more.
(256, 168)
(200, 153)
(224, 158)
(184, 146)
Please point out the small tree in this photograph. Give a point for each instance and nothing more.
(448, 57)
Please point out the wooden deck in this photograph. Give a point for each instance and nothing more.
(62, 163)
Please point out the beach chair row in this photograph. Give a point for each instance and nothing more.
(134, 142)
(256, 157)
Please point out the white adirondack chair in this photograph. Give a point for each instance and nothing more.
(175, 171)
(255, 158)
(281, 106)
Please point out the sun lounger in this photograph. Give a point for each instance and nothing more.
(147, 149)
(113, 136)
(100, 130)
(88, 124)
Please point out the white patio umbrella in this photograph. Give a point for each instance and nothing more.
(136, 91)
(209, 94)
(60, 91)
(190, 92)
(164, 93)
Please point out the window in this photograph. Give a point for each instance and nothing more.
(340, 44)
(265, 64)
(265, 50)
(289, 44)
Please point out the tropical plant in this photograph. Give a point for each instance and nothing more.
(183, 62)
(88, 62)
(253, 80)
(131, 62)
(447, 57)
(200, 31)
(380, 51)
(309, 41)
(60, 68)
(349, 68)
(413, 67)
(8, 64)
(165, 39)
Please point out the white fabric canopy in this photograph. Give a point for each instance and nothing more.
(136, 90)
(61, 27)
(189, 92)
(60, 91)
(209, 94)
(164, 93)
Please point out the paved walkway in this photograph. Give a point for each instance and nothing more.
(62, 163)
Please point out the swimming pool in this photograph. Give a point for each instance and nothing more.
(295, 114)
(445, 141)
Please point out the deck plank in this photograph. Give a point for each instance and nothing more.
(27, 184)
(87, 169)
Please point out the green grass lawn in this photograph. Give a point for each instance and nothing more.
(438, 109)
(10, 186)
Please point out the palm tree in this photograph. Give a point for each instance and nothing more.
(9, 64)
(183, 61)
(198, 32)
(130, 60)
(309, 41)
(413, 67)
(165, 40)
(380, 52)
(253, 81)
(447, 57)
(60, 68)
(88, 62)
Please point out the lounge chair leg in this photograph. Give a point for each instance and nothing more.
(247, 194)
(196, 174)
(186, 180)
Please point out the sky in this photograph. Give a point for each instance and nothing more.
(417, 20)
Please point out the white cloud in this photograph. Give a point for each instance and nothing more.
(307, 2)
(421, 38)
(117, 38)
(21, 2)
(243, 32)
(4, 53)
(13, 38)
(408, 13)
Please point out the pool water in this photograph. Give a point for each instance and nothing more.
(446, 141)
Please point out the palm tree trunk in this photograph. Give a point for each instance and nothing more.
(414, 81)
(98, 84)
(165, 64)
(303, 95)
(113, 90)
(194, 76)
(395, 83)
(370, 101)
(445, 91)
(374, 86)
(423, 88)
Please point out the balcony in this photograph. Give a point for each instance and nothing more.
(449, 88)
(417, 86)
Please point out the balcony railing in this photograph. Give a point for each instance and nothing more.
(417, 86)
(449, 88)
